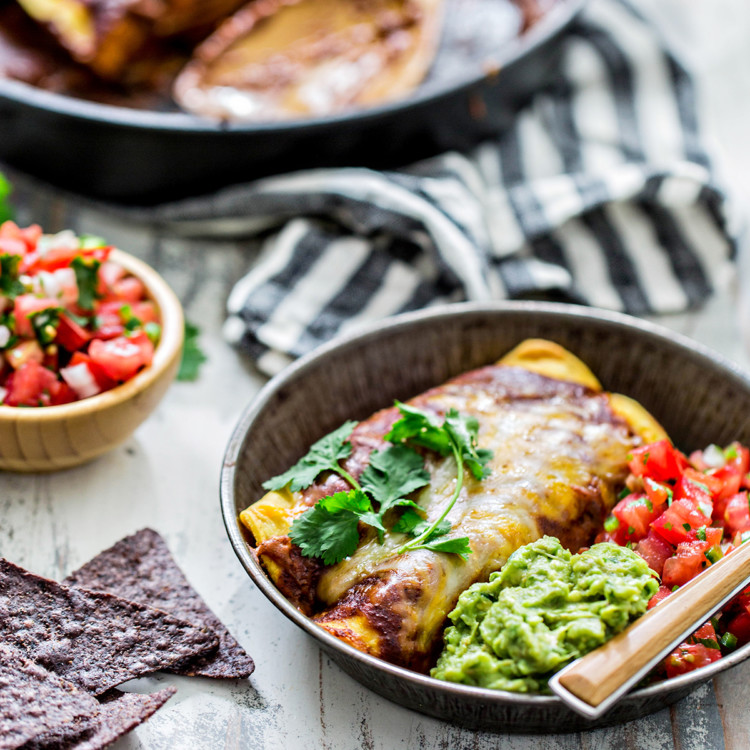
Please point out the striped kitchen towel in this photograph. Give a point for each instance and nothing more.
(601, 193)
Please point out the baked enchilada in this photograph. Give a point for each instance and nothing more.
(556, 448)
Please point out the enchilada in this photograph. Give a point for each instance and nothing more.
(559, 448)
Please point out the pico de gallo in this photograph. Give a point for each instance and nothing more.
(73, 322)
(681, 514)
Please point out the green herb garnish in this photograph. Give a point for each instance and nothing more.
(87, 278)
(153, 331)
(6, 212)
(329, 530)
(611, 524)
(10, 285)
(192, 355)
(324, 455)
(456, 436)
(45, 322)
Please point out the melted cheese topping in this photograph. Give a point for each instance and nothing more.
(554, 461)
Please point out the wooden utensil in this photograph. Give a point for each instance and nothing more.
(593, 683)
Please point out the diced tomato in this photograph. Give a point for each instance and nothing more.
(711, 534)
(662, 593)
(635, 513)
(26, 351)
(109, 273)
(697, 491)
(658, 492)
(700, 649)
(30, 235)
(739, 627)
(128, 289)
(122, 357)
(689, 560)
(11, 246)
(145, 311)
(741, 458)
(61, 393)
(713, 484)
(655, 550)
(660, 461)
(70, 335)
(25, 305)
(679, 519)
(29, 385)
(103, 380)
(62, 257)
(737, 514)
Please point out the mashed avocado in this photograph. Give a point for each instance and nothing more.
(544, 609)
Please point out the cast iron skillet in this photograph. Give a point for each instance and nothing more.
(145, 157)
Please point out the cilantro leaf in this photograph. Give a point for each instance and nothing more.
(393, 473)
(87, 278)
(324, 455)
(409, 521)
(192, 356)
(10, 286)
(457, 436)
(455, 546)
(463, 431)
(419, 427)
(329, 530)
(6, 212)
(45, 322)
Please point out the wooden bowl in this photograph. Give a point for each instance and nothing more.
(698, 396)
(58, 437)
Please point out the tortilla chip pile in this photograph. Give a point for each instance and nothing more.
(64, 646)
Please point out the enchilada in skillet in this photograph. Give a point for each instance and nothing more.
(555, 449)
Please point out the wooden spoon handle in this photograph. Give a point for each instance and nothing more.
(594, 682)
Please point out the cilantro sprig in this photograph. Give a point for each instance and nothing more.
(87, 279)
(10, 283)
(330, 529)
(456, 436)
(324, 455)
(192, 355)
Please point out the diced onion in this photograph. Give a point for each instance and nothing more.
(5, 335)
(66, 239)
(3, 394)
(80, 379)
(713, 456)
(47, 284)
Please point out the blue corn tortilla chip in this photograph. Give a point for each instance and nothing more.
(33, 700)
(119, 714)
(94, 640)
(141, 568)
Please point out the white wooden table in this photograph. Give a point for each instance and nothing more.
(167, 477)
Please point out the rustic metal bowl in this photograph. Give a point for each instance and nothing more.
(58, 437)
(699, 397)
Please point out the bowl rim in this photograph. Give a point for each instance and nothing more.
(561, 13)
(169, 346)
(361, 335)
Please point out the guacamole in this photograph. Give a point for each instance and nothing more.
(544, 609)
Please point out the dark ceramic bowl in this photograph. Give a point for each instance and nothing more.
(699, 397)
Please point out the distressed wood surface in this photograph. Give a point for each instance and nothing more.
(166, 476)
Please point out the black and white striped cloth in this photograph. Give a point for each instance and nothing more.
(601, 193)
